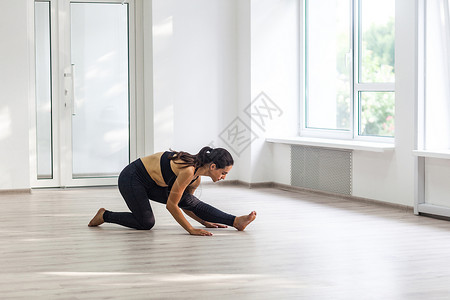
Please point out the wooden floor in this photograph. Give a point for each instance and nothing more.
(301, 246)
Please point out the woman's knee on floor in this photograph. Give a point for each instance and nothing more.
(147, 222)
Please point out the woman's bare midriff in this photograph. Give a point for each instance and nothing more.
(153, 167)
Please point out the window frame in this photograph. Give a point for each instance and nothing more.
(357, 85)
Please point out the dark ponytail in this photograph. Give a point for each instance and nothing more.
(218, 156)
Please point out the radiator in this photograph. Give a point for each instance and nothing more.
(322, 169)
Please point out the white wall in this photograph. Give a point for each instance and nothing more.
(211, 59)
(244, 79)
(437, 176)
(195, 72)
(274, 64)
(14, 95)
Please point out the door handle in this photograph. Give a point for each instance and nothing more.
(70, 90)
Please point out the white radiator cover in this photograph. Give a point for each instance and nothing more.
(321, 169)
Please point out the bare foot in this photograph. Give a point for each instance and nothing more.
(241, 222)
(98, 218)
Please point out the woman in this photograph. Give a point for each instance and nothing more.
(171, 178)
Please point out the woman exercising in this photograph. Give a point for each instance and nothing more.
(171, 178)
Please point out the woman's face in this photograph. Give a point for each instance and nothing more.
(219, 174)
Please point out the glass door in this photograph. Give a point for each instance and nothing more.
(95, 96)
(99, 69)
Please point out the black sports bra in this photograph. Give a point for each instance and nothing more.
(166, 171)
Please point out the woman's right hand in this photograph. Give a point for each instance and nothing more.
(201, 232)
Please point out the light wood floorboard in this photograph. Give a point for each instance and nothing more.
(301, 246)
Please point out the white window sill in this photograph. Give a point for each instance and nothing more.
(333, 143)
(443, 154)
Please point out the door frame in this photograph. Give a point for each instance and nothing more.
(62, 101)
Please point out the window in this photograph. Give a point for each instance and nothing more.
(349, 69)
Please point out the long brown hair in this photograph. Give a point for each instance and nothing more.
(218, 156)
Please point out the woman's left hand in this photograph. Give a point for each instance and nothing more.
(214, 225)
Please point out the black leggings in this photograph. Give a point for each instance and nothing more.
(137, 187)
